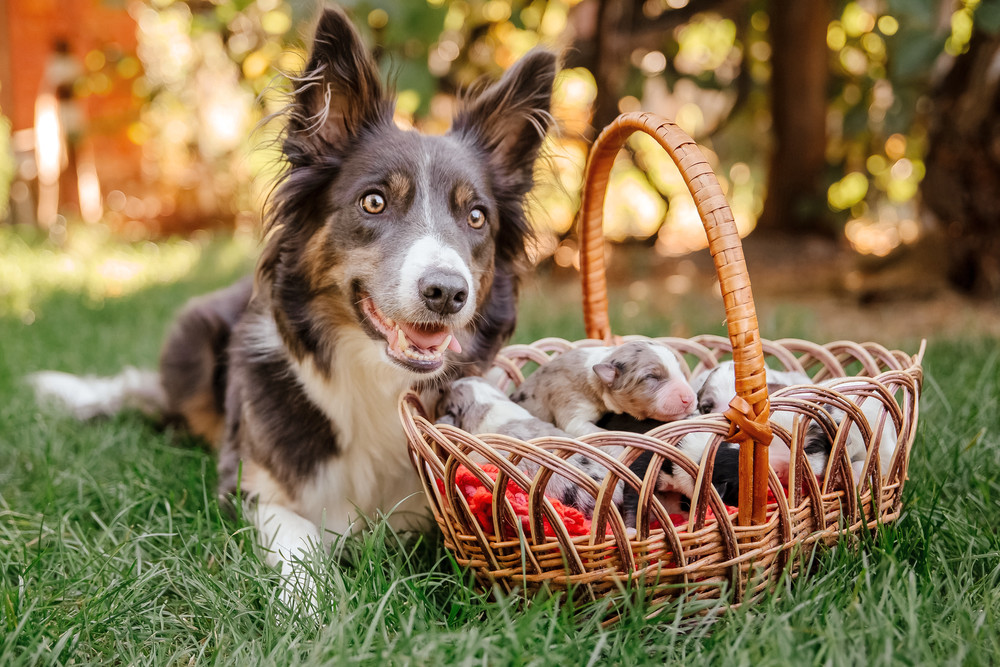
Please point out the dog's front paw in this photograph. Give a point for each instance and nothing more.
(298, 588)
(291, 543)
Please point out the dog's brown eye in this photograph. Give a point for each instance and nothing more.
(477, 218)
(373, 203)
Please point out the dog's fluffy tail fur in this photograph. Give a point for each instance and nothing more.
(89, 396)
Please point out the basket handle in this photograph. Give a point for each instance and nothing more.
(749, 411)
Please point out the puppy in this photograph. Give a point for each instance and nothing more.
(391, 261)
(718, 386)
(574, 390)
(476, 406)
(673, 485)
(715, 388)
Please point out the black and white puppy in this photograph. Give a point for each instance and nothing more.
(391, 261)
(718, 386)
(577, 388)
(715, 388)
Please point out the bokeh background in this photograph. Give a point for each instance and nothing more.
(859, 141)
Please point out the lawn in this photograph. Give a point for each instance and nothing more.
(113, 548)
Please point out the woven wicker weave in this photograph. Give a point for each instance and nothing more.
(714, 554)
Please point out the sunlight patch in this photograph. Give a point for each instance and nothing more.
(93, 264)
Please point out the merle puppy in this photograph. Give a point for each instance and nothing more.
(577, 388)
(476, 406)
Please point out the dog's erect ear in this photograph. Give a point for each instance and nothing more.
(340, 91)
(606, 372)
(510, 118)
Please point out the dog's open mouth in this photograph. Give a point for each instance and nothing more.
(416, 345)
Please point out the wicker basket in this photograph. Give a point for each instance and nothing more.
(714, 554)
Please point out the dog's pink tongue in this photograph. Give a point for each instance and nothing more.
(429, 339)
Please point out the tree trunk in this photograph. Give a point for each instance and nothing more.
(796, 194)
(962, 184)
(611, 66)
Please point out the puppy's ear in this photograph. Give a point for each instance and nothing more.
(510, 118)
(340, 91)
(606, 372)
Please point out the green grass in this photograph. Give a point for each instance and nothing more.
(113, 549)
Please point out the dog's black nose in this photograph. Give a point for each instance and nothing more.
(444, 292)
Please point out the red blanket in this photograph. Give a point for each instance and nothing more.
(480, 501)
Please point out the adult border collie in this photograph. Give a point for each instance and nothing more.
(391, 260)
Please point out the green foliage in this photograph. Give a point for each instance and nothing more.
(710, 74)
(987, 17)
(917, 43)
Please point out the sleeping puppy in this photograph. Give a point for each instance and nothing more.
(577, 388)
(476, 406)
(715, 388)
(673, 486)
(718, 386)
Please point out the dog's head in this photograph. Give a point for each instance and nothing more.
(413, 239)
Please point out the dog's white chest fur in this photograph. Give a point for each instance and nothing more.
(371, 472)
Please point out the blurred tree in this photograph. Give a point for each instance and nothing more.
(613, 30)
(796, 185)
(962, 186)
